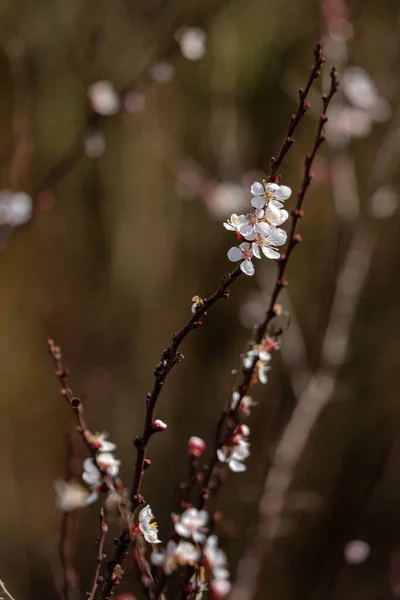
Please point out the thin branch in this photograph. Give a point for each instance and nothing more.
(70, 585)
(101, 557)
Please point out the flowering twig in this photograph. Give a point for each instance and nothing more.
(230, 417)
(100, 556)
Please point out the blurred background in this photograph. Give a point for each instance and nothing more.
(129, 132)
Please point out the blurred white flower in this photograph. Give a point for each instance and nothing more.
(191, 524)
(356, 551)
(215, 558)
(107, 462)
(175, 555)
(70, 495)
(103, 98)
(220, 588)
(225, 198)
(359, 87)
(95, 144)
(162, 72)
(192, 41)
(91, 474)
(235, 457)
(15, 208)
(101, 443)
(384, 202)
(148, 525)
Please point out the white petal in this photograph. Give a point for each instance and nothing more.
(272, 187)
(235, 254)
(92, 498)
(263, 228)
(246, 230)
(283, 193)
(247, 267)
(151, 537)
(258, 202)
(236, 466)
(269, 253)
(229, 227)
(198, 537)
(277, 237)
(240, 452)
(107, 446)
(259, 214)
(248, 362)
(157, 558)
(221, 455)
(256, 250)
(257, 189)
(264, 355)
(262, 376)
(244, 246)
(182, 530)
(89, 466)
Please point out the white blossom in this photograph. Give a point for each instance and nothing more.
(107, 462)
(103, 98)
(16, 208)
(192, 41)
(275, 214)
(91, 474)
(220, 587)
(215, 558)
(148, 525)
(101, 443)
(244, 253)
(191, 524)
(70, 495)
(263, 194)
(235, 223)
(235, 457)
(175, 555)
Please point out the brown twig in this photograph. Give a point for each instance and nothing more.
(69, 587)
(97, 580)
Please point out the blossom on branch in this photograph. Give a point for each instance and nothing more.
(265, 193)
(148, 526)
(191, 524)
(175, 555)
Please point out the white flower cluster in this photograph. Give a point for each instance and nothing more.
(259, 229)
(236, 454)
(216, 561)
(261, 353)
(72, 495)
(175, 556)
(105, 461)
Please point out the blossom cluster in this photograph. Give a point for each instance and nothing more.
(71, 495)
(259, 230)
(259, 355)
(235, 454)
(193, 548)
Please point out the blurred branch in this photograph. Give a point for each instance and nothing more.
(70, 580)
(5, 590)
(101, 557)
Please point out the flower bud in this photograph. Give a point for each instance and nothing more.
(159, 425)
(196, 446)
(243, 431)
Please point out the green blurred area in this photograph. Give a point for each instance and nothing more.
(113, 255)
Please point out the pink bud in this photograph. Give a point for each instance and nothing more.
(159, 425)
(196, 446)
